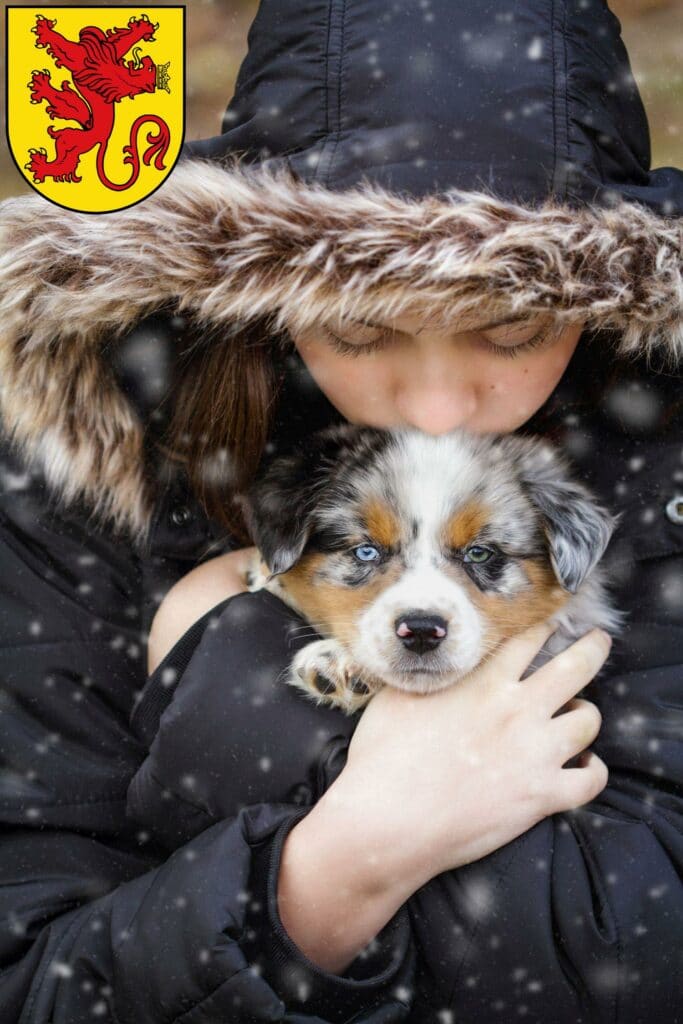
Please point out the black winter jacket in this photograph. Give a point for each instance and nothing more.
(144, 818)
(141, 887)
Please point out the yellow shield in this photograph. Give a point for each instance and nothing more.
(95, 101)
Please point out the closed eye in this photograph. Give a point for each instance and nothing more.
(355, 349)
(538, 340)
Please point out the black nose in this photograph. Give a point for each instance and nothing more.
(420, 632)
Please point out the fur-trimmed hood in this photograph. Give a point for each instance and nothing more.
(224, 242)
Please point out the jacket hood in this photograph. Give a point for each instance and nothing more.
(236, 234)
(524, 101)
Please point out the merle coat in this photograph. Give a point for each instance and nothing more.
(144, 818)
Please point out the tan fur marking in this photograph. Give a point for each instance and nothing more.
(381, 522)
(464, 526)
(332, 610)
(507, 616)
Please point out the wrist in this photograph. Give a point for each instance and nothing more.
(332, 923)
(350, 826)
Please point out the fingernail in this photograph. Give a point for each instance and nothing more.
(605, 636)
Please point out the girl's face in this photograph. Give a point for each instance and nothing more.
(486, 378)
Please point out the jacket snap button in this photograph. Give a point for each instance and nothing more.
(674, 509)
(180, 515)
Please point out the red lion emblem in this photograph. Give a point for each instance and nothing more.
(103, 78)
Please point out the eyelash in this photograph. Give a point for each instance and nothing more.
(507, 352)
(510, 351)
(342, 346)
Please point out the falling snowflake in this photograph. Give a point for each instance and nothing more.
(60, 969)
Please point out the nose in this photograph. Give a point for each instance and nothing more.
(420, 632)
(436, 410)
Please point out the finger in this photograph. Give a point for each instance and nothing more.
(569, 671)
(578, 786)
(575, 730)
(572, 705)
(241, 564)
(516, 654)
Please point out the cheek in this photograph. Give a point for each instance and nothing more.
(540, 370)
(534, 381)
(352, 384)
(315, 584)
(507, 615)
(523, 384)
(554, 362)
(549, 365)
(542, 379)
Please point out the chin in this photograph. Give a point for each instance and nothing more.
(422, 681)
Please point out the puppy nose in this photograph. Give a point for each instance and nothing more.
(420, 632)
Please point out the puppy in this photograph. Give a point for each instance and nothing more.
(414, 557)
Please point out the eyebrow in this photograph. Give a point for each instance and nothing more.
(480, 327)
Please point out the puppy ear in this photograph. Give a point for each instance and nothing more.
(277, 510)
(577, 527)
(279, 506)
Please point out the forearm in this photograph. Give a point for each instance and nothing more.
(342, 878)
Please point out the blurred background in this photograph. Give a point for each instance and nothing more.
(217, 42)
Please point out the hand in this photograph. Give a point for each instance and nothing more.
(235, 565)
(192, 596)
(443, 779)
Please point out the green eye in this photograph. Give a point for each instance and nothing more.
(478, 554)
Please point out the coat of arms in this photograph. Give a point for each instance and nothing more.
(112, 105)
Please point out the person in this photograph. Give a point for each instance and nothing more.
(476, 181)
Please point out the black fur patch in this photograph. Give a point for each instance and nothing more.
(280, 505)
(487, 574)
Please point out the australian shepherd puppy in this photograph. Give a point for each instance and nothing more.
(414, 557)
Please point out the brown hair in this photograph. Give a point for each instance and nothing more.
(224, 391)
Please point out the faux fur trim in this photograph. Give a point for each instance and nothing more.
(231, 243)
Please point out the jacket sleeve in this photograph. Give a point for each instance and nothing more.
(226, 736)
(101, 920)
(584, 911)
(103, 924)
(166, 945)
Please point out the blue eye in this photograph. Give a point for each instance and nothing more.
(478, 554)
(366, 553)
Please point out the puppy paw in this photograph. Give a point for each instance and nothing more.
(324, 671)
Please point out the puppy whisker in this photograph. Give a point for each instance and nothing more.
(298, 635)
